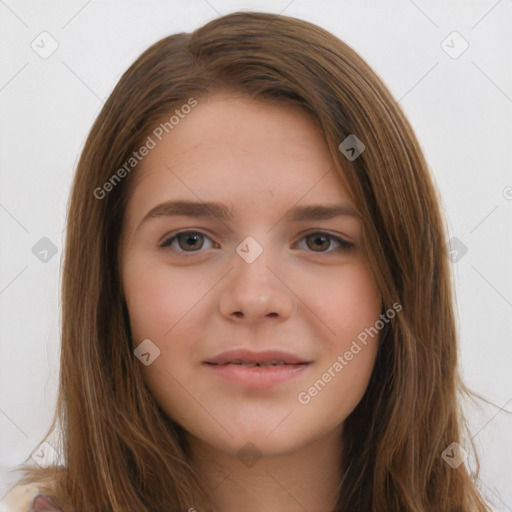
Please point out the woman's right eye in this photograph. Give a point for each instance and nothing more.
(188, 241)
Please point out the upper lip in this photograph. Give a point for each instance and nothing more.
(261, 357)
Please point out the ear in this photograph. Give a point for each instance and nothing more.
(43, 503)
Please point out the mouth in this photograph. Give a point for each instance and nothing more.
(258, 370)
(262, 358)
(261, 364)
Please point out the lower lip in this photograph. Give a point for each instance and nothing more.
(257, 377)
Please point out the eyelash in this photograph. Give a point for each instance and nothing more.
(343, 244)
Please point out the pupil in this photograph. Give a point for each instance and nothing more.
(319, 242)
(191, 241)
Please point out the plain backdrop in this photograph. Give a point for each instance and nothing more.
(458, 99)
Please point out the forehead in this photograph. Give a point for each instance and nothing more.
(239, 150)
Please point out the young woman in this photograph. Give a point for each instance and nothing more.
(257, 308)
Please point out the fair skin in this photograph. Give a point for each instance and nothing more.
(307, 294)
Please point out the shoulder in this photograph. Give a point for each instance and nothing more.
(19, 498)
(27, 498)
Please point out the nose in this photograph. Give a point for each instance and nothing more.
(256, 291)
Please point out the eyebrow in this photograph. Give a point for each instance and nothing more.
(222, 212)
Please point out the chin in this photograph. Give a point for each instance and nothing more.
(259, 439)
(257, 445)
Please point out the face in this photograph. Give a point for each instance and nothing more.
(241, 264)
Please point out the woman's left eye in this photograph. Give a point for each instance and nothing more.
(194, 241)
(324, 242)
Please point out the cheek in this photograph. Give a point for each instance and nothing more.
(344, 305)
(157, 299)
(349, 307)
(160, 306)
(334, 395)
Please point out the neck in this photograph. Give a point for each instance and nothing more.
(307, 479)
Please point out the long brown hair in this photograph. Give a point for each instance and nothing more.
(121, 452)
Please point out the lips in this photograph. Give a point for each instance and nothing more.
(262, 358)
(256, 370)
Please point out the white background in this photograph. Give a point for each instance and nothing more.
(460, 108)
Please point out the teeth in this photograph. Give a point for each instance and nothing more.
(252, 364)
